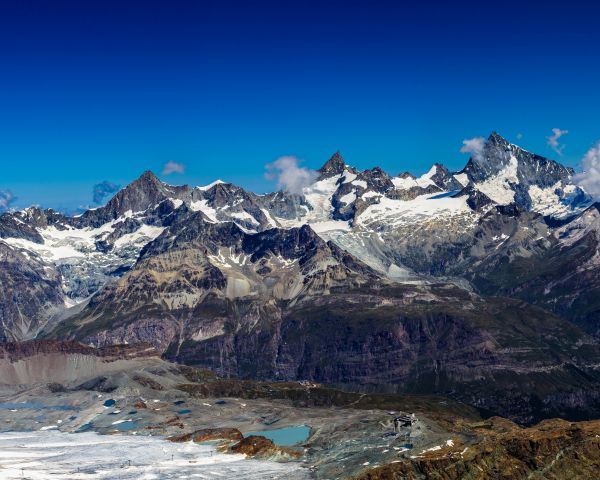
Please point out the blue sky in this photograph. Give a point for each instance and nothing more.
(102, 90)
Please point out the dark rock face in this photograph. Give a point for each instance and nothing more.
(342, 208)
(15, 351)
(377, 180)
(24, 224)
(29, 294)
(414, 192)
(192, 227)
(286, 205)
(562, 278)
(334, 166)
(11, 227)
(475, 199)
(406, 175)
(234, 200)
(294, 243)
(472, 355)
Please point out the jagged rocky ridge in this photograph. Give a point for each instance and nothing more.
(364, 279)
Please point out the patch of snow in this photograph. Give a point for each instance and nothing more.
(142, 236)
(498, 187)
(68, 243)
(462, 178)
(349, 197)
(348, 176)
(400, 212)
(500, 237)
(270, 218)
(547, 202)
(425, 179)
(360, 183)
(319, 195)
(329, 225)
(404, 183)
(74, 254)
(121, 421)
(177, 202)
(208, 211)
(409, 182)
(370, 194)
(50, 253)
(243, 215)
(432, 449)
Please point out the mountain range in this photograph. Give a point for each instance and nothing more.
(481, 284)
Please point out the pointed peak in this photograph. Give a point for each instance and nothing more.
(148, 177)
(439, 169)
(334, 166)
(144, 192)
(441, 177)
(147, 180)
(496, 138)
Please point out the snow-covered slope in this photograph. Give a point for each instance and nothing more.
(74, 253)
(95, 457)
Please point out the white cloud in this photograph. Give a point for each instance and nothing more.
(6, 200)
(553, 140)
(589, 178)
(289, 175)
(474, 146)
(173, 167)
(519, 136)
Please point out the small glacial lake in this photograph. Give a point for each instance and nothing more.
(286, 436)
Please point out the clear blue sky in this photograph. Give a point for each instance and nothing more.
(102, 90)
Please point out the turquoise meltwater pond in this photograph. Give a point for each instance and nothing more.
(284, 437)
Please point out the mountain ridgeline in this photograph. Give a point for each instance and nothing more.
(481, 284)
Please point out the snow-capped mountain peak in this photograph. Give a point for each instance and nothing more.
(507, 174)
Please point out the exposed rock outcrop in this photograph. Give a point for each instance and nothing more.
(553, 449)
(209, 434)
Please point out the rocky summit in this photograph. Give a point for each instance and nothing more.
(479, 285)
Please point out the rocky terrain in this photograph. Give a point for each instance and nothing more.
(477, 285)
(553, 449)
(285, 429)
